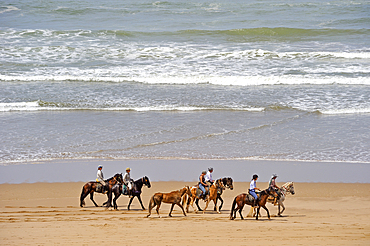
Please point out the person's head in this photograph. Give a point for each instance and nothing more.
(204, 173)
(255, 177)
(210, 169)
(100, 167)
(128, 170)
(274, 176)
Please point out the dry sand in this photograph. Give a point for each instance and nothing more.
(49, 214)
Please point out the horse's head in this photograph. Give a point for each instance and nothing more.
(229, 183)
(146, 181)
(219, 184)
(118, 177)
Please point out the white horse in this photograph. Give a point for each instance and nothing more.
(284, 190)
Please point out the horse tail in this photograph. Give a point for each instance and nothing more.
(152, 202)
(232, 209)
(82, 197)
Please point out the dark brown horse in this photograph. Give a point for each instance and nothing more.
(228, 183)
(136, 192)
(244, 198)
(91, 187)
(173, 197)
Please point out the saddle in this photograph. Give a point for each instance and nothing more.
(99, 187)
(199, 191)
(249, 198)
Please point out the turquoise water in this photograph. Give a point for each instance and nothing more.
(276, 80)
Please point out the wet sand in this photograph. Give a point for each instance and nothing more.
(49, 213)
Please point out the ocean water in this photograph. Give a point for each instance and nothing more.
(234, 80)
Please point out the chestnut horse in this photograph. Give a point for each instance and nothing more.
(173, 197)
(91, 187)
(211, 196)
(244, 198)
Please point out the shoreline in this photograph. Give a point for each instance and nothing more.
(186, 170)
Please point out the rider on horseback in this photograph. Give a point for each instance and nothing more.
(202, 184)
(272, 184)
(253, 188)
(127, 181)
(208, 177)
(100, 179)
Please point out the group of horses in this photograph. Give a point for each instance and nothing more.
(189, 196)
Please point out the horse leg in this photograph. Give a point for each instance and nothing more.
(207, 202)
(151, 206)
(116, 196)
(268, 213)
(173, 204)
(141, 203)
(258, 211)
(251, 211)
(82, 198)
(158, 205)
(109, 202)
(92, 198)
(215, 201)
(192, 204)
(197, 203)
(222, 203)
(129, 203)
(240, 212)
(280, 213)
(182, 208)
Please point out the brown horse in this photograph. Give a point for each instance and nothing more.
(211, 196)
(173, 197)
(91, 187)
(244, 198)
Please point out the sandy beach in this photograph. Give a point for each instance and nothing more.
(49, 214)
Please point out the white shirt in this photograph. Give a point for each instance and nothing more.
(126, 178)
(208, 176)
(252, 186)
(100, 176)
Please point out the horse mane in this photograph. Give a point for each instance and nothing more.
(117, 174)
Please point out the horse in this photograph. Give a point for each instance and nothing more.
(244, 198)
(211, 196)
(228, 183)
(136, 191)
(173, 197)
(284, 190)
(91, 187)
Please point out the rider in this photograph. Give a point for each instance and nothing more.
(208, 177)
(128, 181)
(202, 184)
(253, 188)
(100, 179)
(272, 184)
